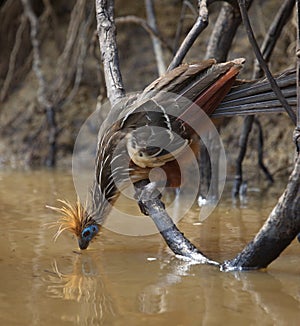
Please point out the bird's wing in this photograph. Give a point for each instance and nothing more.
(158, 122)
(152, 128)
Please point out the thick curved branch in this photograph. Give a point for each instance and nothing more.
(150, 204)
(277, 233)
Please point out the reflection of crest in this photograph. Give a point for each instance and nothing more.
(84, 286)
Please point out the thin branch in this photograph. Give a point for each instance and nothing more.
(76, 17)
(155, 41)
(83, 47)
(189, 5)
(260, 151)
(262, 62)
(68, 59)
(12, 58)
(200, 24)
(109, 51)
(42, 93)
(49, 12)
(243, 141)
(267, 47)
(42, 89)
(143, 23)
(185, 4)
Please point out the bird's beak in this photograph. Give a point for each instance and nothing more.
(83, 243)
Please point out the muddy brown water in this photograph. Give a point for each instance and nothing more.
(123, 280)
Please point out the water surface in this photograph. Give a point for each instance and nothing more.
(122, 280)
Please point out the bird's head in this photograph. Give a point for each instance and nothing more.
(77, 220)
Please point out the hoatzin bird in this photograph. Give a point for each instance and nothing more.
(138, 133)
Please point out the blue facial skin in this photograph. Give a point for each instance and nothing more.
(87, 235)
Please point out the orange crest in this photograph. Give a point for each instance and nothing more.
(72, 217)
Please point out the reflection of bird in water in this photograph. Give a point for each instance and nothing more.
(84, 285)
(153, 130)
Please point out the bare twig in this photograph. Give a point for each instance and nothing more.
(42, 89)
(76, 17)
(185, 4)
(67, 62)
(267, 49)
(281, 19)
(42, 93)
(49, 12)
(108, 47)
(192, 8)
(12, 58)
(260, 152)
(243, 141)
(155, 41)
(200, 24)
(262, 62)
(83, 47)
(143, 23)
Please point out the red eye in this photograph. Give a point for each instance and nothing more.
(86, 233)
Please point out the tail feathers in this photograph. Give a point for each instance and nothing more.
(190, 80)
(204, 83)
(211, 97)
(178, 79)
(258, 97)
